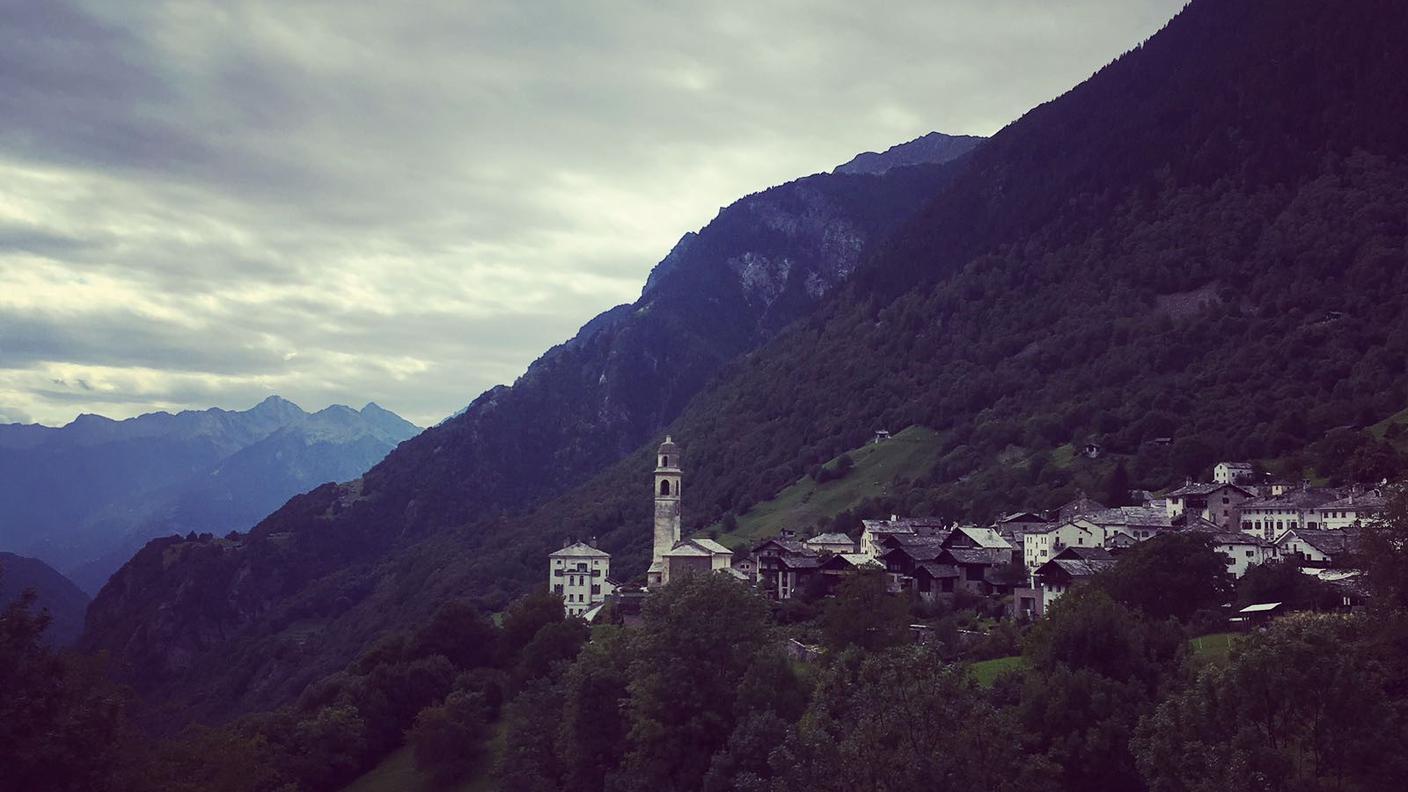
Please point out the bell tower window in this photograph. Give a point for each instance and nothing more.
(664, 486)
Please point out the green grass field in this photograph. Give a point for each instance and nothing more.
(909, 453)
(1213, 647)
(985, 672)
(1207, 648)
(397, 773)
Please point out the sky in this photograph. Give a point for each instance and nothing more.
(204, 203)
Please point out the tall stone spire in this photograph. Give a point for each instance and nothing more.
(667, 508)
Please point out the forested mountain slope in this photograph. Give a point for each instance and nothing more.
(766, 260)
(1206, 240)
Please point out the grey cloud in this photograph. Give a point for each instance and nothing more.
(415, 202)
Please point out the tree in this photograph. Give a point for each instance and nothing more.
(1281, 581)
(1302, 706)
(555, 645)
(1117, 486)
(865, 614)
(461, 633)
(62, 723)
(524, 618)
(902, 720)
(530, 761)
(448, 739)
(699, 638)
(1384, 543)
(1171, 575)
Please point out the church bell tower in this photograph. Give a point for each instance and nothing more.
(667, 508)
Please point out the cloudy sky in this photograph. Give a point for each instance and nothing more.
(202, 203)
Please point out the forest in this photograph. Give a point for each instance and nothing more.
(1108, 692)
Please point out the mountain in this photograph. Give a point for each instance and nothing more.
(763, 262)
(933, 147)
(85, 496)
(53, 592)
(1204, 241)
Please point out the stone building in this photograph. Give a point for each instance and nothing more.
(579, 572)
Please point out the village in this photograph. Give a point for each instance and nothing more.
(1017, 566)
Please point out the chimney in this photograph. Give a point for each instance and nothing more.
(567, 541)
(591, 542)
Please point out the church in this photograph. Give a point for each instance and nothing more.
(671, 557)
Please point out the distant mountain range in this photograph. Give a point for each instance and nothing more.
(84, 497)
(64, 601)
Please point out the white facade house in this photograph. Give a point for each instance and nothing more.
(1271, 517)
(1243, 551)
(1233, 473)
(579, 573)
(1351, 511)
(1038, 548)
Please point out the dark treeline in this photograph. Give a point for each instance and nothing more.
(703, 696)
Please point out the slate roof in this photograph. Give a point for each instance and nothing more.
(800, 561)
(975, 555)
(1204, 488)
(937, 570)
(1079, 507)
(1365, 502)
(1292, 501)
(1331, 543)
(712, 546)
(1074, 567)
(788, 545)
(917, 551)
(984, 537)
(1237, 538)
(1140, 516)
(1023, 516)
(687, 549)
(579, 550)
(831, 539)
(1086, 554)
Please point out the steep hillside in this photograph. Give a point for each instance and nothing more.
(933, 147)
(53, 592)
(766, 260)
(85, 496)
(1206, 240)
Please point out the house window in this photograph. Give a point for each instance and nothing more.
(557, 589)
(596, 589)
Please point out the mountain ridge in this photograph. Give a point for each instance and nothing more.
(139, 475)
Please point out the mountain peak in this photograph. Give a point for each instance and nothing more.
(933, 148)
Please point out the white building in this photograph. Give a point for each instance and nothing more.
(1040, 547)
(1271, 517)
(579, 573)
(1243, 551)
(1233, 473)
(1351, 511)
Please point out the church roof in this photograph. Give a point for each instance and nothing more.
(686, 548)
(711, 546)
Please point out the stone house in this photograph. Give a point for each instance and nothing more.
(579, 572)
